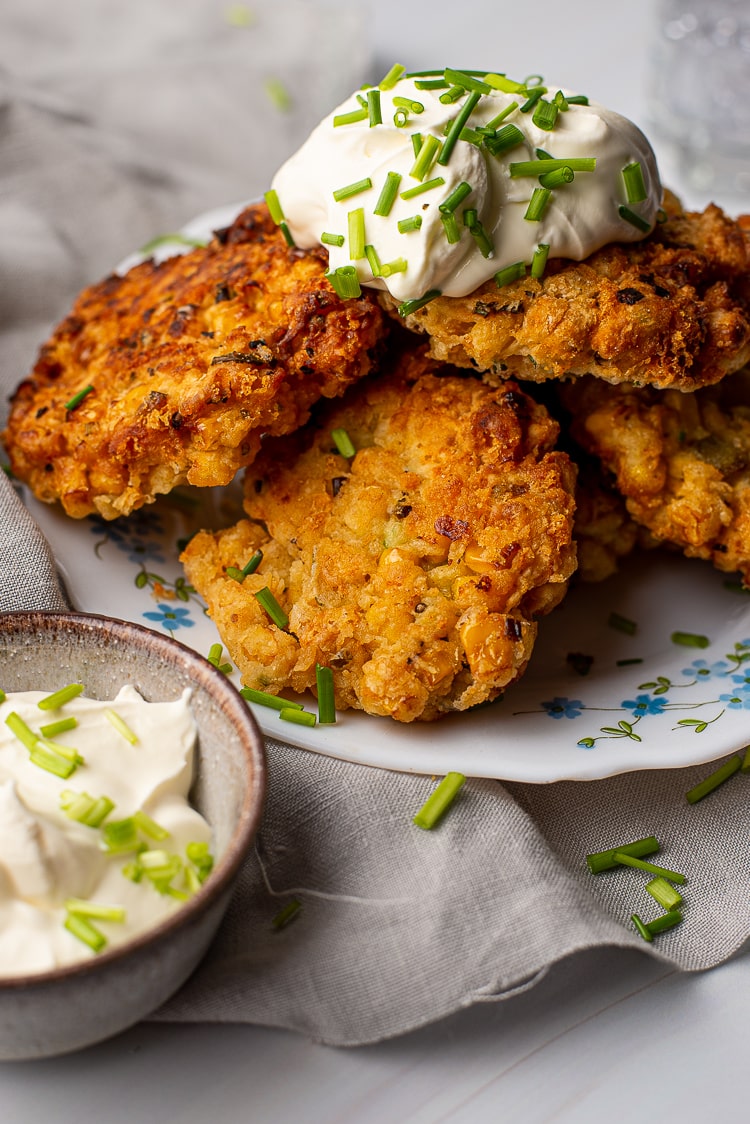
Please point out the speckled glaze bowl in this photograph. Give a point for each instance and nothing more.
(66, 1009)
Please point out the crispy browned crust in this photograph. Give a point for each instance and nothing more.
(190, 361)
(670, 311)
(682, 461)
(415, 571)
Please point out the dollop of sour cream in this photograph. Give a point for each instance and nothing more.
(595, 208)
(49, 858)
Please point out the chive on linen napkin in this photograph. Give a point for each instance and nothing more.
(111, 133)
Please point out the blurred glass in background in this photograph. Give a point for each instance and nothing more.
(699, 99)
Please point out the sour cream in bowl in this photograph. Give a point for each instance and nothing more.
(132, 779)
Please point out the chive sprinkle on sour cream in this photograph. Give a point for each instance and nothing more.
(501, 174)
(98, 842)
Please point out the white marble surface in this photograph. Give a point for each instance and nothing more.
(610, 1035)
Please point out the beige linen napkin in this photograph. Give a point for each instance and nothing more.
(118, 123)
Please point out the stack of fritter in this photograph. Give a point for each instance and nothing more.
(416, 564)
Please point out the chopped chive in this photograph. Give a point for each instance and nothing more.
(457, 125)
(371, 254)
(641, 927)
(85, 932)
(17, 726)
(326, 700)
(745, 766)
(345, 282)
(120, 835)
(406, 226)
(267, 601)
(52, 729)
(374, 110)
(539, 260)
(149, 826)
(634, 219)
(396, 72)
(76, 400)
(274, 206)
(59, 764)
(428, 153)
(65, 751)
(343, 442)
(439, 801)
(278, 94)
(598, 861)
(350, 189)
(457, 196)
(498, 119)
(664, 893)
(300, 717)
(410, 104)
(627, 663)
(59, 698)
(504, 84)
(545, 115)
(577, 99)
(723, 773)
(540, 197)
(397, 265)
(539, 167)
(120, 725)
(534, 95)
(214, 654)
(356, 224)
(510, 273)
(85, 809)
(332, 239)
(285, 915)
(416, 143)
(275, 702)
(430, 84)
(478, 233)
(558, 178)
(100, 912)
(666, 921)
(468, 81)
(690, 640)
(406, 308)
(410, 192)
(401, 118)
(622, 624)
(284, 228)
(635, 188)
(388, 194)
(351, 117)
(3, 696)
(561, 101)
(453, 93)
(250, 567)
(510, 136)
(200, 856)
(451, 228)
(624, 859)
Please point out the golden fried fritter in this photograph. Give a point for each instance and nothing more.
(682, 461)
(416, 569)
(602, 528)
(670, 311)
(189, 362)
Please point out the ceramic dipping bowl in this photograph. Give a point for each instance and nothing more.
(68, 1008)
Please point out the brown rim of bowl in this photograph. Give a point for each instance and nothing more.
(231, 703)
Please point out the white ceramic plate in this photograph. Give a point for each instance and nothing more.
(645, 702)
(676, 705)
